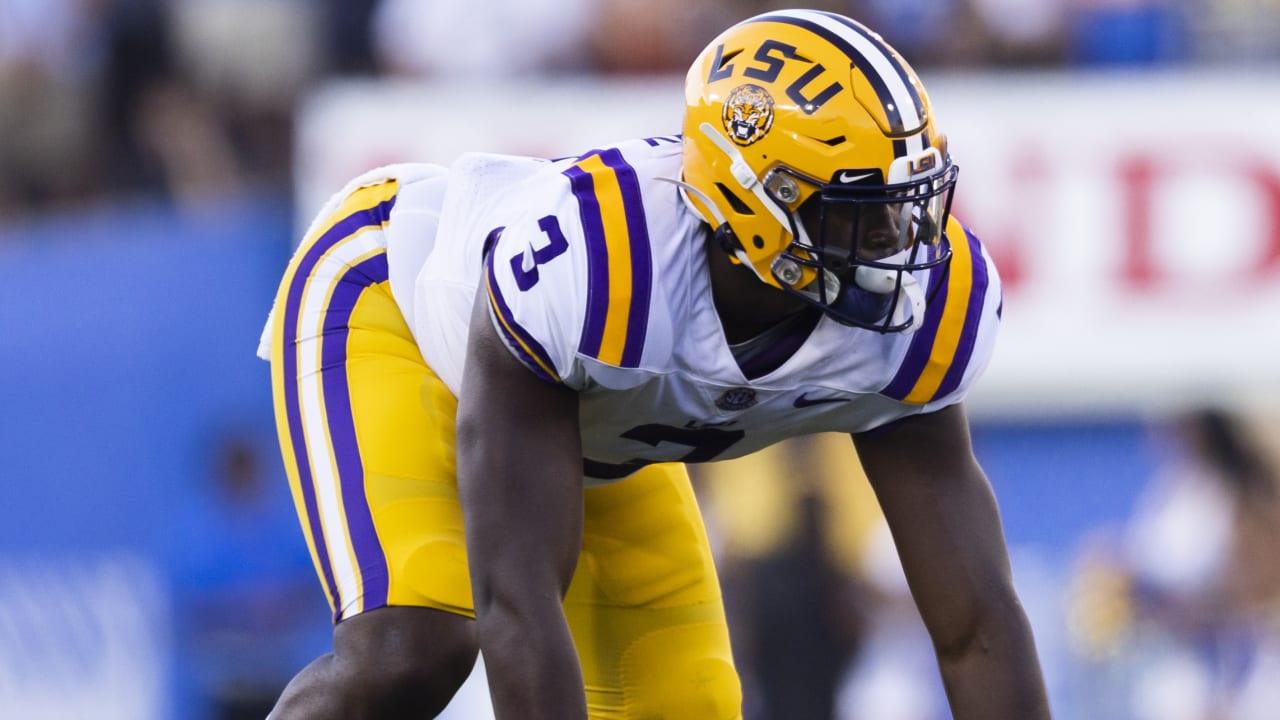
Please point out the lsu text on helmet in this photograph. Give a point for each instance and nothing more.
(810, 148)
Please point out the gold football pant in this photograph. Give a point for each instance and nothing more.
(367, 434)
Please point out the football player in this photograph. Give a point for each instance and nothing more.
(488, 378)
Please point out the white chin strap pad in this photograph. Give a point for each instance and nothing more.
(910, 300)
(909, 305)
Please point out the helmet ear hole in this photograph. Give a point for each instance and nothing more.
(735, 202)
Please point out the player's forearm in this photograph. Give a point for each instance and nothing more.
(995, 673)
(531, 663)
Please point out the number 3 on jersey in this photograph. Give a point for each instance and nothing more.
(525, 265)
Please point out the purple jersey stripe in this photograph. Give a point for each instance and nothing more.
(527, 349)
(921, 347)
(597, 261)
(293, 410)
(972, 318)
(641, 260)
(370, 559)
(657, 140)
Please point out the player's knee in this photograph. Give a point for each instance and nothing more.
(707, 689)
(683, 673)
(401, 660)
(713, 692)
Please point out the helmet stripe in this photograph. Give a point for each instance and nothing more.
(892, 58)
(904, 74)
(902, 103)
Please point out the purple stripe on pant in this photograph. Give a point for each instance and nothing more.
(342, 429)
(289, 359)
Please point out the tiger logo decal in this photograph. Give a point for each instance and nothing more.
(748, 114)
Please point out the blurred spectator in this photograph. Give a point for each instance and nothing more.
(664, 36)
(894, 676)
(803, 618)
(632, 36)
(1202, 538)
(791, 551)
(246, 62)
(470, 39)
(1186, 604)
(180, 100)
(348, 29)
(929, 32)
(644, 36)
(159, 137)
(1018, 33)
(241, 582)
(467, 39)
(1237, 30)
(47, 118)
(1127, 32)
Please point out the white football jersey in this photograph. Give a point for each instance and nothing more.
(597, 277)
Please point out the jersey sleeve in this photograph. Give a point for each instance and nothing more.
(573, 286)
(948, 353)
(530, 285)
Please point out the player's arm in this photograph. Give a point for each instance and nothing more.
(943, 516)
(520, 480)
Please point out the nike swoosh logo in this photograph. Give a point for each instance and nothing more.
(804, 401)
(851, 177)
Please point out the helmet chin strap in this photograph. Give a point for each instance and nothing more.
(908, 305)
(685, 189)
(910, 301)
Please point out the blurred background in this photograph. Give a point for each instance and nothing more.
(1119, 157)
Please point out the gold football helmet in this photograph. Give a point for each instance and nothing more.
(810, 149)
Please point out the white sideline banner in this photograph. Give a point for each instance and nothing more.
(1134, 217)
